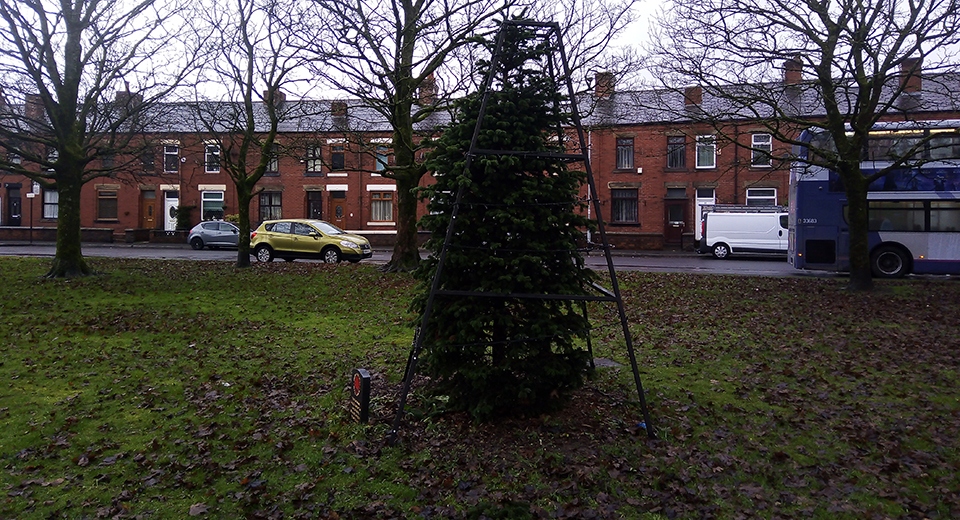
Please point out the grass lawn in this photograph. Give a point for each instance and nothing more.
(173, 389)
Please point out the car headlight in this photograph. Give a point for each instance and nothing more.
(349, 244)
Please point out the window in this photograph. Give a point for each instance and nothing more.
(171, 158)
(106, 204)
(52, 155)
(211, 205)
(706, 151)
(315, 204)
(108, 162)
(761, 196)
(148, 162)
(381, 206)
(211, 158)
(270, 202)
(382, 158)
(314, 161)
(895, 216)
(945, 215)
(337, 157)
(624, 153)
(14, 158)
(676, 152)
(762, 148)
(273, 161)
(51, 204)
(624, 206)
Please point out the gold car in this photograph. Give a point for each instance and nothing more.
(290, 239)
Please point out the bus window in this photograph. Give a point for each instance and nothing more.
(896, 216)
(945, 146)
(893, 147)
(945, 215)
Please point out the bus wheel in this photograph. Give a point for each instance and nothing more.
(721, 250)
(889, 262)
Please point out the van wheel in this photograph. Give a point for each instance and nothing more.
(263, 254)
(889, 262)
(721, 250)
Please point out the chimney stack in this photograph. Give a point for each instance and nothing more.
(692, 97)
(427, 94)
(605, 86)
(793, 71)
(274, 96)
(910, 80)
(338, 109)
(33, 108)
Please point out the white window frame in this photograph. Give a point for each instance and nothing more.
(761, 197)
(211, 196)
(51, 204)
(211, 157)
(761, 145)
(314, 159)
(171, 150)
(706, 151)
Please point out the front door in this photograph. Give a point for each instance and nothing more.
(675, 217)
(171, 201)
(13, 206)
(148, 210)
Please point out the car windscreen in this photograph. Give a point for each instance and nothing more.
(326, 228)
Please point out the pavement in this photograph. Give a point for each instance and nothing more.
(670, 252)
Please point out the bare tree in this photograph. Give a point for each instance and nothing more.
(407, 58)
(63, 61)
(859, 54)
(253, 62)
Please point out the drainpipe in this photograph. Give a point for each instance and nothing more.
(589, 195)
(736, 165)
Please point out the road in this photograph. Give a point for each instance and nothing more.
(653, 261)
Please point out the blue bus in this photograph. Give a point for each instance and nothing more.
(914, 211)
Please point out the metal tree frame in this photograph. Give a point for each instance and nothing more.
(550, 33)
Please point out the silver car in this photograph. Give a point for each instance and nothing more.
(213, 234)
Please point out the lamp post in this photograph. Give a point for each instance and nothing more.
(31, 196)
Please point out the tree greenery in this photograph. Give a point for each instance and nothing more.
(516, 232)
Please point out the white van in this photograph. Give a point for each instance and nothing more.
(727, 233)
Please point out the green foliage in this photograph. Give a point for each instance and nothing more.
(184, 216)
(517, 232)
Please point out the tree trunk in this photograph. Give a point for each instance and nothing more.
(861, 277)
(243, 244)
(68, 261)
(406, 250)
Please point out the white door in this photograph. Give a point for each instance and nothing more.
(705, 196)
(171, 201)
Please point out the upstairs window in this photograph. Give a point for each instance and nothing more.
(211, 158)
(676, 152)
(624, 153)
(706, 151)
(273, 161)
(761, 148)
(171, 158)
(314, 160)
(382, 157)
(337, 157)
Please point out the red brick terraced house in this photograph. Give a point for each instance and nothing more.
(653, 163)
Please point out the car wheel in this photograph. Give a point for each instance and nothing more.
(264, 254)
(889, 262)
(331, 255)
(196, 243)
(721, 250)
